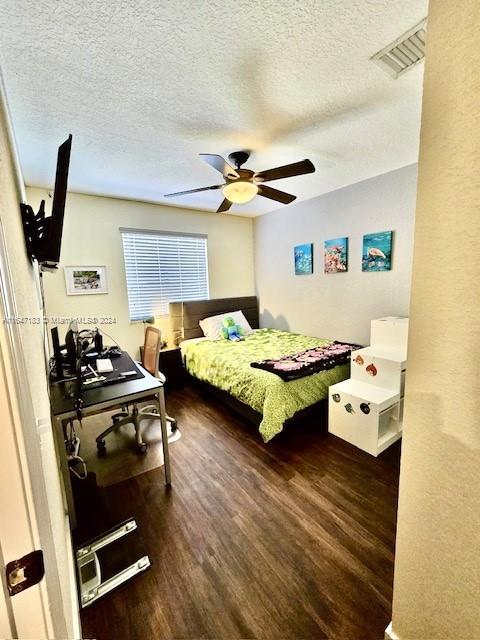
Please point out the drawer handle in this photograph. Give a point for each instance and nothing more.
(371, 369)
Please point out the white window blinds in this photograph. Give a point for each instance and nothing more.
(161, 267)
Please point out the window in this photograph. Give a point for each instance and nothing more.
(161, 267)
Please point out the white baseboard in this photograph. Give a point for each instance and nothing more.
(390, 633)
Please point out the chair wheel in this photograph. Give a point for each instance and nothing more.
(142, 449)
(101, 448)
(173, 426)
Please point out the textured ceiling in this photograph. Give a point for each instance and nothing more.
(144, 86)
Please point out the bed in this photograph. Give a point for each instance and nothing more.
(224, 367)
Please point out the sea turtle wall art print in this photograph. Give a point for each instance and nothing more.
(377, 251)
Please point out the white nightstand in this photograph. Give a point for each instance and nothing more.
(367, 410)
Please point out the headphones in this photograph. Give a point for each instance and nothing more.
(112, 352)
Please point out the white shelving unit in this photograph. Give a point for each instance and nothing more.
(367, 409)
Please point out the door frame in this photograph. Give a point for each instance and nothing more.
(33, 520)
(25, 435)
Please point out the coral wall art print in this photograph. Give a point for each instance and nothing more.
(377, 251)
(303, 259)
(336, 255)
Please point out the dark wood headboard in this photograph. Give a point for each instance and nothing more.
(187, 315)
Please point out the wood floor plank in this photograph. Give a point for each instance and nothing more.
(292, 539)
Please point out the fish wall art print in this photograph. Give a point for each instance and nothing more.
(377, 251)
(303, 254)
(335, 255)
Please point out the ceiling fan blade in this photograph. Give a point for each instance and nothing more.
(220, 164)
(287, 171)
(225, 206)
(275, 194)
(183, 193)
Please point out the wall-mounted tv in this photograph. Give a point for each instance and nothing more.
(43, 234)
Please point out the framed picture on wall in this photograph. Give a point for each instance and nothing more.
(303, 256)
(81, 281)
(377, 251)
(336, 255)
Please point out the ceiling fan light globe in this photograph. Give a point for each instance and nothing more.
(240, 191)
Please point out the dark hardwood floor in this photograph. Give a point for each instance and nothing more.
(293, 539)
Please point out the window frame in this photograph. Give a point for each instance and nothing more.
(160, 232)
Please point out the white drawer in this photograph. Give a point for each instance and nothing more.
(365, 420)
(373, 369)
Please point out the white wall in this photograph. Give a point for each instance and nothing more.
(437, 565)
(91, 236)
(337, 305)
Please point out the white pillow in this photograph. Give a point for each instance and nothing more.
(212, 326)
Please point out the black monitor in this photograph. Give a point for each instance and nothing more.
(52, 239)
(71, 338)
(57, 354)
(43, 234)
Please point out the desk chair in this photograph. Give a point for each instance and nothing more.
(151, 349)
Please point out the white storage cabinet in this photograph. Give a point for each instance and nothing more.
(367, 410)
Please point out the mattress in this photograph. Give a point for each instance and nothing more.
(226, 365)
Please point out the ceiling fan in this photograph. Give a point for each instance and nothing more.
(241, 185)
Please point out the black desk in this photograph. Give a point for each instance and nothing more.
(100, 399)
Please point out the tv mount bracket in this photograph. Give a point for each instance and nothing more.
(35, 229)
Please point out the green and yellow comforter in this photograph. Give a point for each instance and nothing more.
(226, 365)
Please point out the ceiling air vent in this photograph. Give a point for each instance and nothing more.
(405, 52)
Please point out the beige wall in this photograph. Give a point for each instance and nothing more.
(30, 462)
(338, 305)
(91, 236)
(437, 571)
